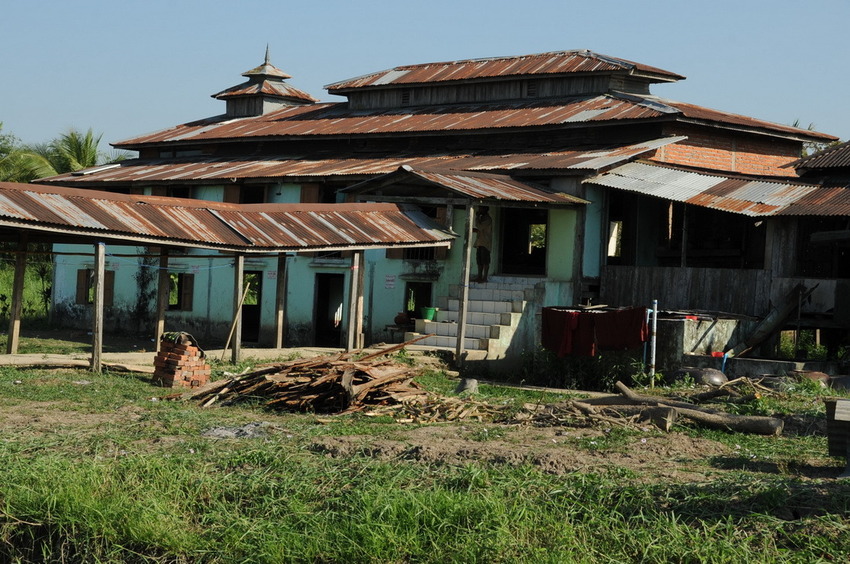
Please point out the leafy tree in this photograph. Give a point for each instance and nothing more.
(69, 152)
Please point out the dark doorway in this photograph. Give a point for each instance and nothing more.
(416, 296)
(251, 306)
(523, 241)
(328, 309)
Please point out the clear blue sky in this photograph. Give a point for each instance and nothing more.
(128, 67)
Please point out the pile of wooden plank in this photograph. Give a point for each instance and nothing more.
(338, 383)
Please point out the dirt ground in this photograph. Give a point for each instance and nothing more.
(647, 456)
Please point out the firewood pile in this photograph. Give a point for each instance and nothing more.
(338, 383)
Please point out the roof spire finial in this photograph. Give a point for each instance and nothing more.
(267, 54)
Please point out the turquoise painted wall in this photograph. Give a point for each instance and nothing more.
(560, 248)
(595, 231)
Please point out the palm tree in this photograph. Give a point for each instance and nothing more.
(74, 151)
(70, 152)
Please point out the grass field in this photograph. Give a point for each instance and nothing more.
(97, 469)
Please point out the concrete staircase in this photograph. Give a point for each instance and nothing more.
(493, 314)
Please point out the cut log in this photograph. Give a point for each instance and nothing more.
(711, 418)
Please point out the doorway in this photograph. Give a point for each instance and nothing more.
(327, 312)
(523, 241)
(251, 306)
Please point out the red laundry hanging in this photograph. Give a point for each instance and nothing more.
(585, 333)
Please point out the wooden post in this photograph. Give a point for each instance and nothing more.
(163, 290)
(280, 297)
(97, 314)
(463, 296)
(684, 258)
(17, 296)
(355, 304)
(238, 282)
(359, 274)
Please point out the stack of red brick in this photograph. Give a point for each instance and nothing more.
(180, 365)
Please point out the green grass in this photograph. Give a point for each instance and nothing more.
(119, 477)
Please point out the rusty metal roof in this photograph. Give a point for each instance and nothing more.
(556, 62)
(837, 156)
(748, 196)
(700, 113)
(137, 171)
(483, 187)
(256, 228)
(266, 87)
(335, 119)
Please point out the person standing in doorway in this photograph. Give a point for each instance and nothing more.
(483, 241)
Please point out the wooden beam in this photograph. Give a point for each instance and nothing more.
(464, 286)
(97, 313)
(238, 283)
(163, 290)
(17, 296)
(355, 303)
(359, 275)
(280, 301)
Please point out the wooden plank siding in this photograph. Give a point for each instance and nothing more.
(744, 292)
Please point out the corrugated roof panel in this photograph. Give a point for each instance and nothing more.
(495, 187)
(334, 119)
(837, 156)
(739, 195)
(196, 223)
(556, 62)
(209, 168)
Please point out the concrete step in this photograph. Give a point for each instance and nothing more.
(447, 342)
(486, 306)
(494, 294)
(450, 329)
(473, 317)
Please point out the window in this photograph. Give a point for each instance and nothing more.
(252, 194)
(181, 292)
(615, 238)
(85, 286)
(180, 191)
(419, 253)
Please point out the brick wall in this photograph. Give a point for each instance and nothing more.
(729, 151)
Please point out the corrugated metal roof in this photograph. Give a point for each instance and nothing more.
(556, 62)
(477, 186)
(753, 197)
(707, 114)
(299, 166)
(280, 89)
(329, 119)
(837, 156)
(335, 119)
(257, 228)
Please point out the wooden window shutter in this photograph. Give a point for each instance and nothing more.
(231, 194)
(83, 286)
(395, 253)
(108, 287)
(309, 193)
(159, 191)
(187, 292)
(440, 253)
